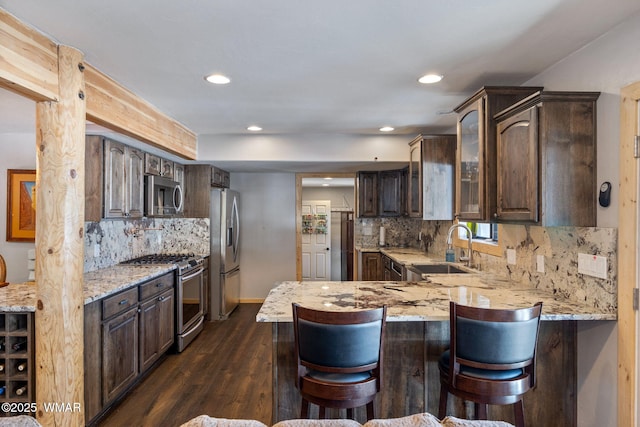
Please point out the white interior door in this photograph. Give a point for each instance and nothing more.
(316, 240)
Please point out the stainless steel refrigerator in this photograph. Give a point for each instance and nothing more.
(224, 268)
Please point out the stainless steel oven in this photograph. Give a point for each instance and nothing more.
(189, 293)
(190, 302)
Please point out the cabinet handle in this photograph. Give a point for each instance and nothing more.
(139, 310)
(160, 298)
(158, 284)
(495, 215)
(123, 302)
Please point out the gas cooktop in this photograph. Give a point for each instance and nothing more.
(184, 262)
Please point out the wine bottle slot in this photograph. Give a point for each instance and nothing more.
(21, 366)
(1, 367)
(2, 390)
(21, 390)
(20, 345)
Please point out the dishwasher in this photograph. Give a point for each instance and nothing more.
(397, 271)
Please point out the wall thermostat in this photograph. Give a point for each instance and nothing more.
(605, 194)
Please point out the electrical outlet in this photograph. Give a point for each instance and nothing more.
(511, 256)
(96, 250)
(540, 263)
(367, 231)
(592, 265)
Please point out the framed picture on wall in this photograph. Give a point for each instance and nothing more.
(21, 205)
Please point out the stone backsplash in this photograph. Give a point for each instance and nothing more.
(110, 242)
(559, 246)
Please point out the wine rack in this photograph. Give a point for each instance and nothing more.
(16, 358)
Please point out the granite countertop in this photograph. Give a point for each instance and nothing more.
(406, 256)
(421, 301)
(97, 284)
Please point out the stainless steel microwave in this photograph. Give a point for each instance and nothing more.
(162, 197)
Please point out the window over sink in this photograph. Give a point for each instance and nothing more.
(485, 238)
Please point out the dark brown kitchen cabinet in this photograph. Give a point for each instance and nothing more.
(156, 328)
(367, 190)
(119, 353)
(123, 181)
(546, 170)
(381, 193)
(476, 155)
(431, 183)
(390, 193)
(125, 335)
(371, 267)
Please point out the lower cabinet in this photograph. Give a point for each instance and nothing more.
(370, 266)
(119, 353)
(125, 334)
(156, 328)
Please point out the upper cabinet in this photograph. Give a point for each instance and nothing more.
(367, 190)
(546, 152)
(381, 193)
(431, 175)
(476, 157)
(123, 180)
(114, 178)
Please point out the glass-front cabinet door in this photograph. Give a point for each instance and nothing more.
(414, 201)
(470, 174)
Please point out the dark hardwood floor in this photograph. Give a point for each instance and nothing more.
(225, 373)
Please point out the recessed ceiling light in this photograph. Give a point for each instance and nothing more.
(430, 78)
(325, 185)
(328, 177)
(218, 79)
(386, 129)
(254, 128)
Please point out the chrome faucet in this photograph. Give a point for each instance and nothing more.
(469, 239)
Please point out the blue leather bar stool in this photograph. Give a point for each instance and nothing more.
(339, 358)
(491, 359)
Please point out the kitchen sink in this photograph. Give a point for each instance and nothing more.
(437, 269)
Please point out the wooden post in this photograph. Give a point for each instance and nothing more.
(627, 257)
(60, 133)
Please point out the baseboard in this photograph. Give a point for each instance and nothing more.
(251, 300)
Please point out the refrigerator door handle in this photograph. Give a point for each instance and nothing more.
(235, 238)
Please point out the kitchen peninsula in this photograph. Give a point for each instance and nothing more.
(417, 333)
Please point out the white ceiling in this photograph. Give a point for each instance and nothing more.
(298, 67)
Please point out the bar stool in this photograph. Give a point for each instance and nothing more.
(338, 357)
(491, 359)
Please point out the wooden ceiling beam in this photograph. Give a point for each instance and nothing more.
(29, 66)
(111, 105)
(28, 60)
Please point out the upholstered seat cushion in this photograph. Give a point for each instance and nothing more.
(333, 377)
(479, 373)
(19, 421)
(207, 421)
(317, 423)
(458, 422)
(424, 419)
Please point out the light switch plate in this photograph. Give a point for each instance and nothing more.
(96, 250)
(540, 263)
(511, 256)
(367, 230)
(592, 265)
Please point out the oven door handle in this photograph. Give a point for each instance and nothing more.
(192, 275)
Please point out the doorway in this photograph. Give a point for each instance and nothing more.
(339, 190)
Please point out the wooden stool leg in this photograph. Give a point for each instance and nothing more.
(518, 409)
(322, 413)
(350, 413)
(370, 414)
(480, 411)
(304, 409)
(442, 408)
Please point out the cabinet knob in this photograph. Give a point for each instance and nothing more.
(495, 215)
